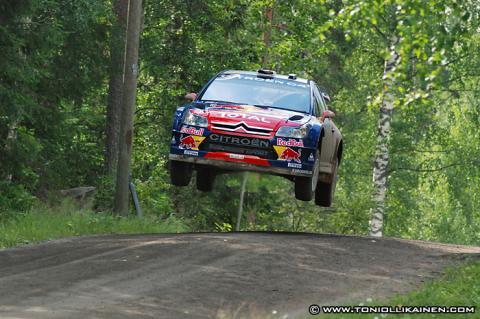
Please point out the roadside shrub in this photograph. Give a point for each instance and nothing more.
(154, 193)
(104, 194)
(14, 199)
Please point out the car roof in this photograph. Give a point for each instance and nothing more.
(275, 75)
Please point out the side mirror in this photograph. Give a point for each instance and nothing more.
(326, 97)
(327, 114)
(190, 97)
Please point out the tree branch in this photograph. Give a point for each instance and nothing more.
(432, 169)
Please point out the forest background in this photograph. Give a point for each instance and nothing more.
(59, 61)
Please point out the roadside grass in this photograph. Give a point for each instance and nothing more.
(64, 221)
(459, 286)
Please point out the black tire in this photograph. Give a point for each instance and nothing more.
(205, 178)
(325, 191)
(305, 186)
(180, 173)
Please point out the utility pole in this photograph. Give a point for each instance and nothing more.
(240, 205)
(128, 107)
(115, 85)
(267, 33)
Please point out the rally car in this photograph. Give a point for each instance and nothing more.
(258, 121)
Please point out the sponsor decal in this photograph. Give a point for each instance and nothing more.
(252, 78)
(192, 130)
(238, 115)
(289, 142)
(245, 141)
(287, 154)
(295, 165)
(191, 153)
(311, 158)
(301, 171)
(236, 156)
(191, 142)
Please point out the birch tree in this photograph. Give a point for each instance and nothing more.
(382, 156)
(416, 39)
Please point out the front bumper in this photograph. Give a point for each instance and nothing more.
(232, 161)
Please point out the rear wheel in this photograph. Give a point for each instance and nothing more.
(305, 186)
(325, 191)
(205, 178)
(180, 173)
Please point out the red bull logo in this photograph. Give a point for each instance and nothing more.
(289, 142)
(187, 142)
(290, 155)
(192, 130)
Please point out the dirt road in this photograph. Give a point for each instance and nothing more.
(228, 275)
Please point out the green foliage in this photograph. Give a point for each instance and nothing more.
(104, 195)
(53, 59)
(14, 199)
(155, 192)
(46, 223)
(223, 227)
(459, 286)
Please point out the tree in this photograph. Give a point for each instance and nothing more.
(115, 85)
(382, 154)
(128, 107)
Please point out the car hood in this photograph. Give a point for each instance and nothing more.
(249, 119)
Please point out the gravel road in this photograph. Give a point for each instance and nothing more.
(211, 275)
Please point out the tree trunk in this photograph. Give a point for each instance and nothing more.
(128, 108)
(266, 36)
(115, 85)
(10, 140)
(380, 169)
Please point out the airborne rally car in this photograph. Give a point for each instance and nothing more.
(258, 121)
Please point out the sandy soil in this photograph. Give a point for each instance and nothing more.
(206, 275)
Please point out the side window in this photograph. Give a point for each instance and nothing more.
(316, 104)
(320, 104)
(324, 104)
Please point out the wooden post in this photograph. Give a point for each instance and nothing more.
(128, 107)
(115, 85)
(267, 33)
(240, 205)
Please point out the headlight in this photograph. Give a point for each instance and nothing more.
(195, 120)
(293, 131)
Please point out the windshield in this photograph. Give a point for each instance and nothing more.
(251, 90)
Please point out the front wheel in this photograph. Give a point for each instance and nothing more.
(325, 191)
(305, 186)
(180, 173)
(205, 178)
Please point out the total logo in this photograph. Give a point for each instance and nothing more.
(192, 130)
(244, 116)
(287, 154)
(289, 142)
